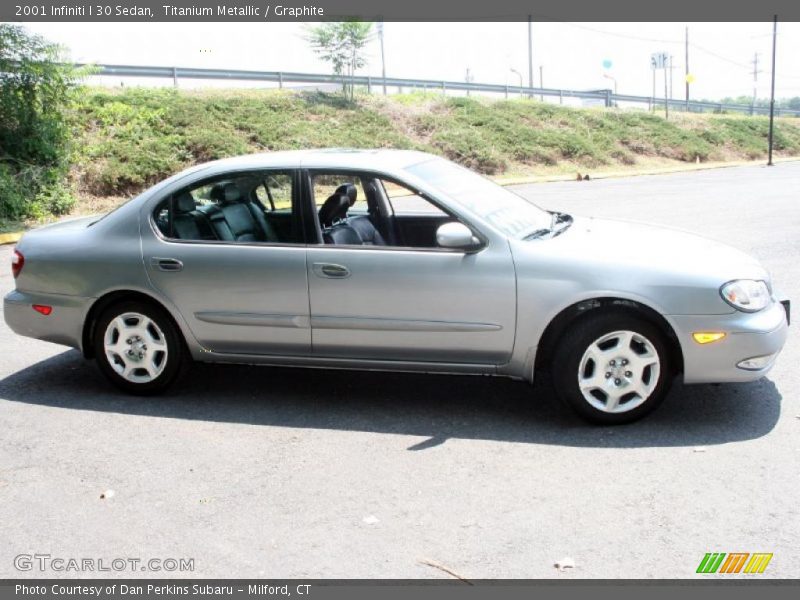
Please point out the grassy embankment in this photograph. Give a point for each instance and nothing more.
(130, 139)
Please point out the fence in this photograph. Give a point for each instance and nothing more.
(606, 97)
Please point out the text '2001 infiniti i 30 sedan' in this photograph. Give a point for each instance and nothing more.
(393, 260)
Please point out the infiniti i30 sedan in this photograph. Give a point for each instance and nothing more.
(393, 260)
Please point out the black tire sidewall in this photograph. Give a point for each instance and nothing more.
(569, 352)
(176, 354)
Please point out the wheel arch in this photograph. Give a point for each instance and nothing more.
(577, 311)
(115, 297)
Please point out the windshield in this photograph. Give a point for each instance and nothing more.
(505, 210)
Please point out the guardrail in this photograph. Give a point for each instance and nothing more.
(607, 97)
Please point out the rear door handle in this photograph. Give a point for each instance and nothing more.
(331, 270)
(166, 264)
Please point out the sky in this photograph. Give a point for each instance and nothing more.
(571, 54)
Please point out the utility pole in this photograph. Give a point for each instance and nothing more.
(383, 56)
(755, 83)
(530, 51)
(468, 78)
(772, 92)
(687, 69)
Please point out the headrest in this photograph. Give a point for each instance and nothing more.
(184, 203)
(226, 192)
(349, 190)
(334, 209)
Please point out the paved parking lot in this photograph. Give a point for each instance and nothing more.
(262, 472)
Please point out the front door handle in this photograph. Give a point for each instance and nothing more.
(331, 270)
(166, 264)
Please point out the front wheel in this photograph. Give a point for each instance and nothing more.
(612, 368)
(138, 348)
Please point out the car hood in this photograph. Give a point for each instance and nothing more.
(661, 248)
(672, 271)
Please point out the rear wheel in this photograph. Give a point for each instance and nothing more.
(138, 348)
(612, 368)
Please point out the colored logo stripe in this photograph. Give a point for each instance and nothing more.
(758, 563)
(713, 562)
(734, 562)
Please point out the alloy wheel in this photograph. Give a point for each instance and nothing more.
(135, 347)
(619, 371)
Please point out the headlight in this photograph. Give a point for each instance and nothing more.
(747, 295)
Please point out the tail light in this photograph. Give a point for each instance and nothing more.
(17, 262)
(43, 309)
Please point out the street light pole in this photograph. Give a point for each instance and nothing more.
(614, 79)
(772, 93)
(518, 74)
(530, 51)
(687, 68)
(383, 56)
(654, 90)
(666, 93)
(541, 82)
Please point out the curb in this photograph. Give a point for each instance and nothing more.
(10, 238)
(691, 168)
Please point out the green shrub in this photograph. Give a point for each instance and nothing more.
(35, 134)
(133, 137)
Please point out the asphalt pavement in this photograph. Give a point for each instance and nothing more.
(264, 472)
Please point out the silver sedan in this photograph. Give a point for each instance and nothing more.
(393, 260)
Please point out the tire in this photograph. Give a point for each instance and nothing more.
(612, 368)
(138, 348)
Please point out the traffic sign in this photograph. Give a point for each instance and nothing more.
(659, 60)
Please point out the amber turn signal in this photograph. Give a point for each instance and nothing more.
(707, 337)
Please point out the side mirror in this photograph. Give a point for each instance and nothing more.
(457, 236)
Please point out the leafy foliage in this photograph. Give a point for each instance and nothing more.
(35, 94)
(342, 45)
(132, 138)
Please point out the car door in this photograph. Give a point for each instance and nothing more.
(237, 296)
(412, 304)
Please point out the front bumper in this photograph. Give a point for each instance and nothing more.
(64, 325)
(747, 335)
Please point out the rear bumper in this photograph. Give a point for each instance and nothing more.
(64, 325)
(747, 336)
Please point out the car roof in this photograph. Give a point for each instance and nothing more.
(327, 158)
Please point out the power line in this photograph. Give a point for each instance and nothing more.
(621, 35)
(719, 56)
(658, 41)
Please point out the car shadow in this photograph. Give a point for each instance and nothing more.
(438, 407)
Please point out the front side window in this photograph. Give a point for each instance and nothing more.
(368, 210)
(508, 212)
(326, 185)
(405, 201)
(245, 207)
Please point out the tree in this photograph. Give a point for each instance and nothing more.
(342, 45)
(35, 92)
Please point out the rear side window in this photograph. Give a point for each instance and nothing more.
(252, 207)
(275, 192)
